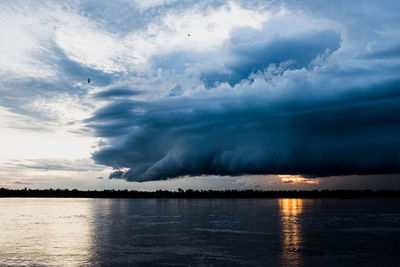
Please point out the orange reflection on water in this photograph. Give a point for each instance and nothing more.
(291, 237)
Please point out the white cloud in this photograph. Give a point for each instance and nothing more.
(22, 49)
(87, 43)
(146, 4)
(207, 30)
(63, 108)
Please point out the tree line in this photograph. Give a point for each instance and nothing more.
(189, 193)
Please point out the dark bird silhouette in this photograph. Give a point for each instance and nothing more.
(88, 80)
(189, 34)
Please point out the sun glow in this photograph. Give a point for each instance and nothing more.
(297, 179)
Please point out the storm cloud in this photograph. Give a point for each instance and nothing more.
(298, 95)
(353, 134)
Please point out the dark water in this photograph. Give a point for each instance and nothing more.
(182, 232)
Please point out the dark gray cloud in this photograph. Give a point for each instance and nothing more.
(356, 133)
(116, 174)
(22, 183)
(117, 92)
(249, 56)
(317, 102)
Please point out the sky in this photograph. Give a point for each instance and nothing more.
(200, 94)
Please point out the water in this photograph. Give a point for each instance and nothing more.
(199, 232)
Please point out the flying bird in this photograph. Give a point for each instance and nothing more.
(189, 34)
(88, 80)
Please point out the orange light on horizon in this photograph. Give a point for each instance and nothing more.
(297, 179)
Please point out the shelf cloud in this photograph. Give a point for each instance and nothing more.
(297, 95)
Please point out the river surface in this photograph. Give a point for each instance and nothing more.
(199, 232)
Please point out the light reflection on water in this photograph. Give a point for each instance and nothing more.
(290, 209)
(192, 232)
(44, 231)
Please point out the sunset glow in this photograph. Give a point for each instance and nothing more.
(297, 179)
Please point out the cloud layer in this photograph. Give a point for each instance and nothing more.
(303, 133)
(297, 95)
(181, 88)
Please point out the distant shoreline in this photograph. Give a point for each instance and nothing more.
(206, 194)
